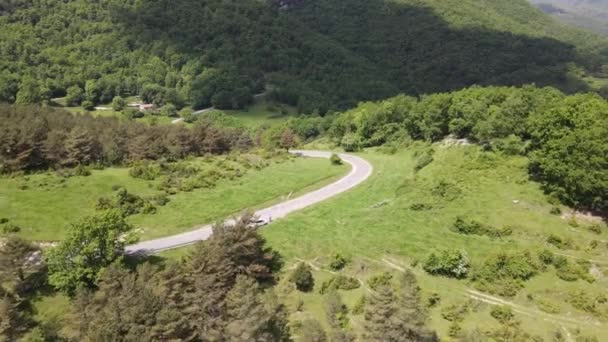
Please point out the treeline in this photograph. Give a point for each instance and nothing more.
(223, 290)
(565, 137)
(316, 55)
(36, 138)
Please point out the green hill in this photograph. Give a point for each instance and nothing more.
(317, 54)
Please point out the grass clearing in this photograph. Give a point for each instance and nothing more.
(44, 204)
(376, 221)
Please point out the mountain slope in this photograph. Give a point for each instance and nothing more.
(587, 14)
(316, 54)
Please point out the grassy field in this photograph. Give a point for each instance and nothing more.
(44, 204)
(375, 225)
(262, 112)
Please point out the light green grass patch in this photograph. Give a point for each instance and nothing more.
(44, 204)
(376, 220)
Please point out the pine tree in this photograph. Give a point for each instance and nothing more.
(81, 148)
(246, 316)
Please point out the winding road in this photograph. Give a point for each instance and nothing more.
(361, 170)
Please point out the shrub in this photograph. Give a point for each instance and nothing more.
(596, 228)
(302, 278)
(503, 314)
(350, 142)
(560, 242)
(160, 199)
(335, 159)
(555, 211)
(81, 171)
(3, 220)
(546, 257)
(455, 312)
(475, 228)
(582, 301)
(88, 105)
(434, 299)
(504, 273)
(446, 190)
(454, 330)
(144, 170)
(421, 206)
(380, 280)
(10, 229)
(339, 282)
(337, 262)
(450, 262)
(424, 160)
(118, 103)
(148, 208)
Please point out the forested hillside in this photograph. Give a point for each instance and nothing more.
(315, 54)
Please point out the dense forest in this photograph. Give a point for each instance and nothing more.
(317, 55)
(39, 138)
(565, 137)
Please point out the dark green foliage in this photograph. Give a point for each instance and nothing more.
(92, 244)
(126, 203)
(455, 312)
(42, 137)
(502, 314)
(396, 315)
(335, 159)
(560, 242)
(504, 273)
(338, 261)
(144, 170)
(475, 228)
(540, 122)
(339, 282)
(434, 299)
(380, 280)
(423, 160)
(10, 228)
(302, 278)
(449, 262)
(570, 140)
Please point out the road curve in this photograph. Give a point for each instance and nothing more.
(361, 170)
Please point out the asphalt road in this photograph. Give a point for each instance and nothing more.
(361, 170)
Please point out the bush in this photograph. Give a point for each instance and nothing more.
(380, 280)
(88, 105)
(10, 229)
(455, 312)
(3, 220)
(454, 330)
(144, 170)
(339, 282)
(450, 263)
(335, 159)
(424, 160)
(81, 171)
(546, 257)
(421, 206)
(475, 228)
(337, 262)
(434, 299)
(560, 242)
(118, 103)
(504, 273)
(596, 228)
(350, 143)
(148, 208)
(503, 314)
(555, 211)
(302, 278)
